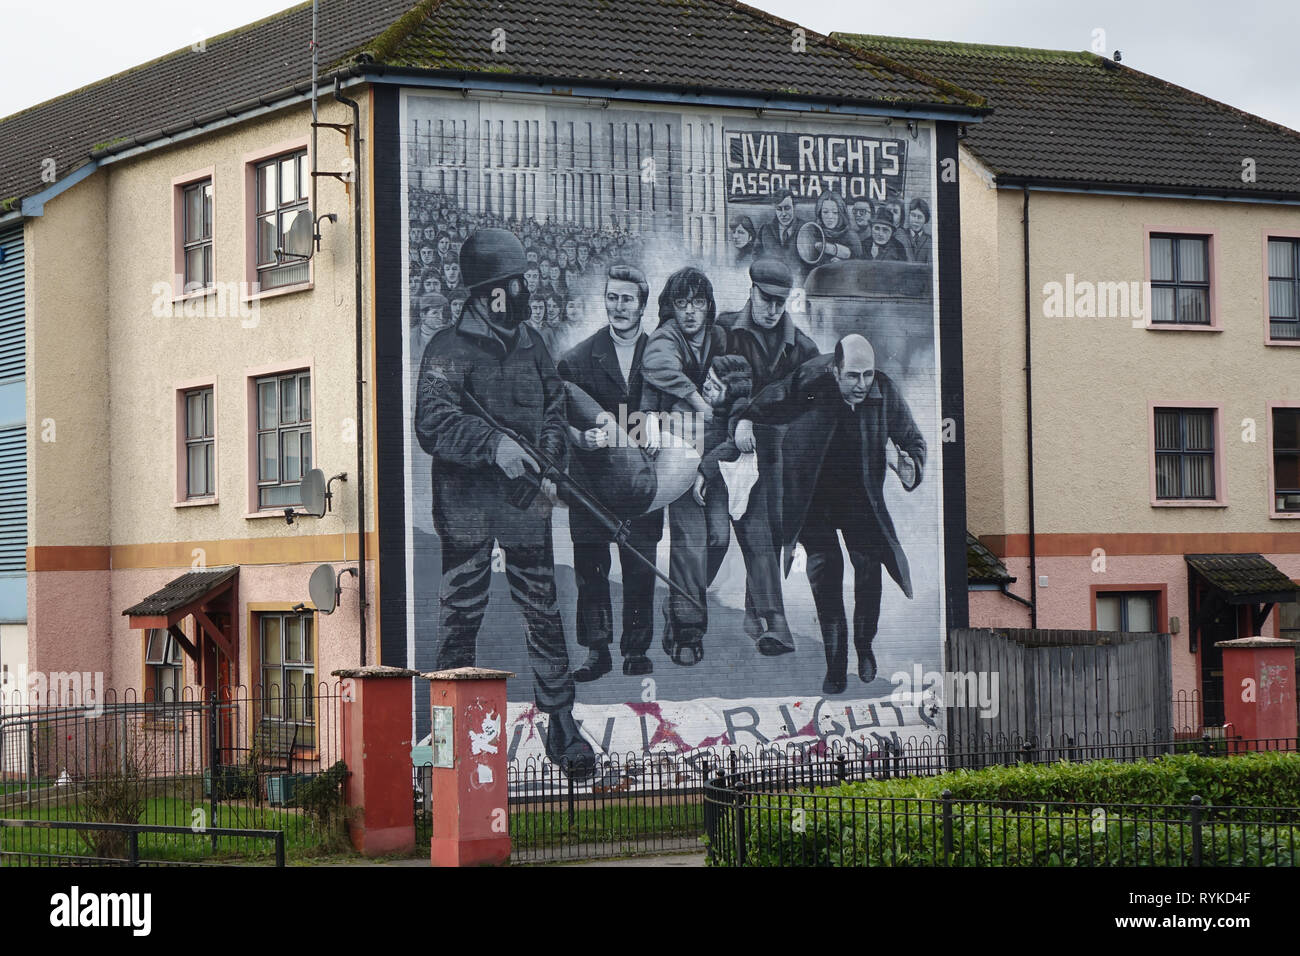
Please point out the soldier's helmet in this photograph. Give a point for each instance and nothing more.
(490, 256)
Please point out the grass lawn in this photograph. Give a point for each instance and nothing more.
(552, 826)
(300, 837)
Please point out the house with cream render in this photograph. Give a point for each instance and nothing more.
(189, 246)
(188, 302)
(1131, 302)
(216, 302)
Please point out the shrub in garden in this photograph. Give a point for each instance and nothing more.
(900, 822)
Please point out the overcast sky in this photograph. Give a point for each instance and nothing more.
(1243, 52)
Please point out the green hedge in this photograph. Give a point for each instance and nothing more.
(1269, 779)
(900, 822)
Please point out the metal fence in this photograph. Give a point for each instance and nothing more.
(660, 803)
(72, 843)
(1189, 709)
(770, 814)
(753, 827)
(246, 758)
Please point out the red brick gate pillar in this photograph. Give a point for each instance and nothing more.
(376, 704)
(1259, 693)
(470, 807)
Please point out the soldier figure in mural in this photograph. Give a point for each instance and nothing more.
(841, 411)
(607, 368)
(490, 362)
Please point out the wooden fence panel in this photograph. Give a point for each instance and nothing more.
(1062, 688)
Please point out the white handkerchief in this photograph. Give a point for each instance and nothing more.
(740, 476)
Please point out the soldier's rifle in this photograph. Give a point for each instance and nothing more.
(525, 489)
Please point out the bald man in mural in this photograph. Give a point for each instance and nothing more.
(841, 412)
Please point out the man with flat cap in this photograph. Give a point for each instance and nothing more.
(841, 412)
(765, 334)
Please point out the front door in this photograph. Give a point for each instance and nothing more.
(227, 693)
(1218, 624)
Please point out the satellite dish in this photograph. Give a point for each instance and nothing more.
(323, 588)
(313, 493)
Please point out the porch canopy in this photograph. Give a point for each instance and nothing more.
(201, 594)
(1249, 579)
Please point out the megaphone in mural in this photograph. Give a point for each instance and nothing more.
(813, 247)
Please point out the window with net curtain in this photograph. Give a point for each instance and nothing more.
(1184, 442)
(200, 444)
(289, 671)
(1180, 280)
(283, 220)
(197, 238)
(165, 665)
(283, 438)
(1127, 611)
(1284, 288)
(1286, 459)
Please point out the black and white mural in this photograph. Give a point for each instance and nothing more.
(671, 405)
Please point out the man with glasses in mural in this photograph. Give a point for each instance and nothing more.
(674, 366)
(490, 361)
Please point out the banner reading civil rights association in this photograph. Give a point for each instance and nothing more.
(761, 163)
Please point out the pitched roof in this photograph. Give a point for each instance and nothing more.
(1243, 578)
(982, 565)
(229, 75)
(179, 592)
(1080, 119)
(716, 44)
(711, 44)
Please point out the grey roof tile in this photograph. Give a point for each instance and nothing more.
(709, 43)
(717, 44)
(234, 68)
(1079, 118)
(1243, 577)
(181, 591)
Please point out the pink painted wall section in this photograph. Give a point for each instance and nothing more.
(69, 612)
(1067, 600)
(995, 609)
(337, 643)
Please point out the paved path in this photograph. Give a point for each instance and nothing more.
(674, 859)
(670, 859)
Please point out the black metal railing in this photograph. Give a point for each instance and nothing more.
(77, 843)
(770, 814)
(244, 758)
(1189, 712)
(662, 803)
(749, 827)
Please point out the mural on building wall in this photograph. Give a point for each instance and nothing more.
(674, 444)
